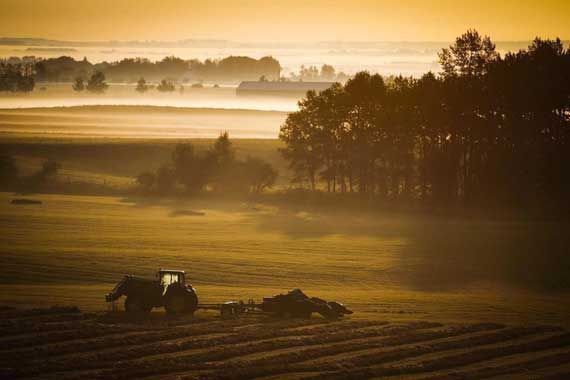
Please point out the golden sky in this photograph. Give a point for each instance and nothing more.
(283, 20)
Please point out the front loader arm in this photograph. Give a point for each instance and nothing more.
(118, 290)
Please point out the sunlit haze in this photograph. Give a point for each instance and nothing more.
(282, 20)
(285, 189)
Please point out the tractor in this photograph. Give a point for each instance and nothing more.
(168, 290)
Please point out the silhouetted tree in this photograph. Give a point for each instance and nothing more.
(301, 144)
(96, 83)
(191, 169)
(50, 168)
(260, 174)
(328, 72)
(470, 55)
(146, 180)
(78, 84)
(16, 77)
(223, 150)
(142, 87)
(165, 179)
(165, 86)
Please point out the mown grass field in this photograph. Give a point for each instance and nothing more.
(70, 250)
(108, 121)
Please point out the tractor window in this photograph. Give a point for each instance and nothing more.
(169, 278)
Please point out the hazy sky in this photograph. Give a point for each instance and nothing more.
(283, 20)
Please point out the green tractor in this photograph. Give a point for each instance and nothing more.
(168, 290)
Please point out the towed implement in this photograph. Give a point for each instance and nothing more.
(297, 304)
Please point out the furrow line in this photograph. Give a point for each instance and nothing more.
(361, 369)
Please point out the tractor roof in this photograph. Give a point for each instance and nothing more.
(171, 271)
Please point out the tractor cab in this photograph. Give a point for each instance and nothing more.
(168, 277)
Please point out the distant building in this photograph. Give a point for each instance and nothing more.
(280, 88)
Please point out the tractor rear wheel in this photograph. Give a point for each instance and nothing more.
(181, 301)
(136, 305)
(176, 304)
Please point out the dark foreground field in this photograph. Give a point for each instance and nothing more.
(63, 343)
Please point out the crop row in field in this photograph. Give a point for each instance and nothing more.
(67, 344)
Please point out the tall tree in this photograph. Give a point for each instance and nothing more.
(470, 55)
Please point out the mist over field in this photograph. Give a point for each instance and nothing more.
(386, 58)
(285, 189)
(62, 95)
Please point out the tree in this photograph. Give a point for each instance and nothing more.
(147, 180)
(301, 144)
(49, 169)
(78, 84)
(96, 83)
(260, 174)
(225, 172)
(191, 170)
(142, 87)
(16, 77)
(223, 151)
(365, 95)
(328, 72)
(470, 55)
(165, 86)
(310, 73)
(165, 179)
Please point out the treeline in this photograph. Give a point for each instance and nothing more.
(487, 131)
(216, 169)
(16, 77)
(327, 73)
(28, 70)
(66, 69)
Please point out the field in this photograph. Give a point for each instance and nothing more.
(70, 250)
(433, 296)
(62, 343)
(138, 122)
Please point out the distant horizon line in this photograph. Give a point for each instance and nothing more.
(23, 41)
